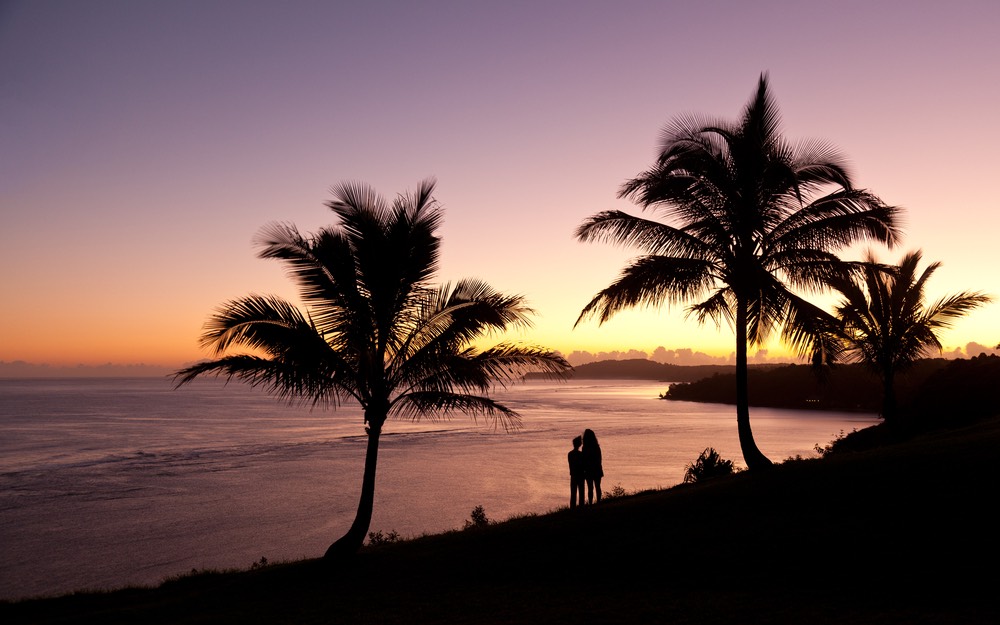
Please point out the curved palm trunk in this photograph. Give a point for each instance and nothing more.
(754, 458)
(350, 543)
(889, 399)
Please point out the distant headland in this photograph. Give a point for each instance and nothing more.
(22, 369)
(963, 388)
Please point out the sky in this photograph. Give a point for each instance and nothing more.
(144, 144)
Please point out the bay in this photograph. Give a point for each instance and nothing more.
(112, 482)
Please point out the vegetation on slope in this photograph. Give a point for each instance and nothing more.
(931, 391)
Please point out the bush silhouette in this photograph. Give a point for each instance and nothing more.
(477, 518)
(708, 465)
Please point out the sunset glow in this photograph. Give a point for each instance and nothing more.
(144, 145)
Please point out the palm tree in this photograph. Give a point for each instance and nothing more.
(884, 324)
(375, 331)
(755, 217)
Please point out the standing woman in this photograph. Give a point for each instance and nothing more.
(593, 465)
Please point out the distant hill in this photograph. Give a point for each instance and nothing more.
(22, 369)
(963, 389)
(845, 388)
(641, 369)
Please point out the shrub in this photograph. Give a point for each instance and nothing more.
(836, 443)
(259, 564)
(860, 440)
(615, 492)
(708, 465)
(378, 538)
(477, 518)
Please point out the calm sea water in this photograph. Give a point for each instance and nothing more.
(113, 482)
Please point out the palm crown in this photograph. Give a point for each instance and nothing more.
(751, 224)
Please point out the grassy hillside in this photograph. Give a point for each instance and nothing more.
(898, 534)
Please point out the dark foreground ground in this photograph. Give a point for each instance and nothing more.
(901, 534)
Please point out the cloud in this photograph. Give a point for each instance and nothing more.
(686, 357)
(973, 349)
(683, 356)
(759, 357)
(582, 357)
(22, 369)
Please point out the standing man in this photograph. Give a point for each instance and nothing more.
(576, 477)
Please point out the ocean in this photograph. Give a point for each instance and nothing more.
(110, 482)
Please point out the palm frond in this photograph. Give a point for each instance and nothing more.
(812, 332)
(719, 307)
(359, 208)
(653, 281)
(839, 219)
(322, 265)
(256, 322)
(283, 379)
(651, 236)
(942, 312)
(437, 405)
(819, 163)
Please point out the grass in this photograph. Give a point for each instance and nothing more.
(894, 534)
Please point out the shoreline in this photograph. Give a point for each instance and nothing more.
(217, 478)
(677, 556)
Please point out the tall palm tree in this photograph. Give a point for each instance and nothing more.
(885, 325)
(375, 331)
(754, 217)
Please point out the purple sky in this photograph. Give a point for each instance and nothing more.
(143, 144)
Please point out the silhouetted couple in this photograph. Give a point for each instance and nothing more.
(585, 467)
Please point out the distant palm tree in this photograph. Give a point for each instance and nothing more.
(375, 330)
(751, 225)
(884, 324)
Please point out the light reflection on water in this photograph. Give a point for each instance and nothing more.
(112, 482)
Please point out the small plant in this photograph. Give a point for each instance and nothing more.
(838, 439)
(477, 518)
(708, 465)
(616, 492)
(378, 538)
(259, 564)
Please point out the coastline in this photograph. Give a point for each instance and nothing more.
(140, 482)
(829, 540)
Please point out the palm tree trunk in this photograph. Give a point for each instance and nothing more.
(751, 454)
(889, 399)
(349, 544)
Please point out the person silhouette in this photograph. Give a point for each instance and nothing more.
(576, 479)
(593, 465)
